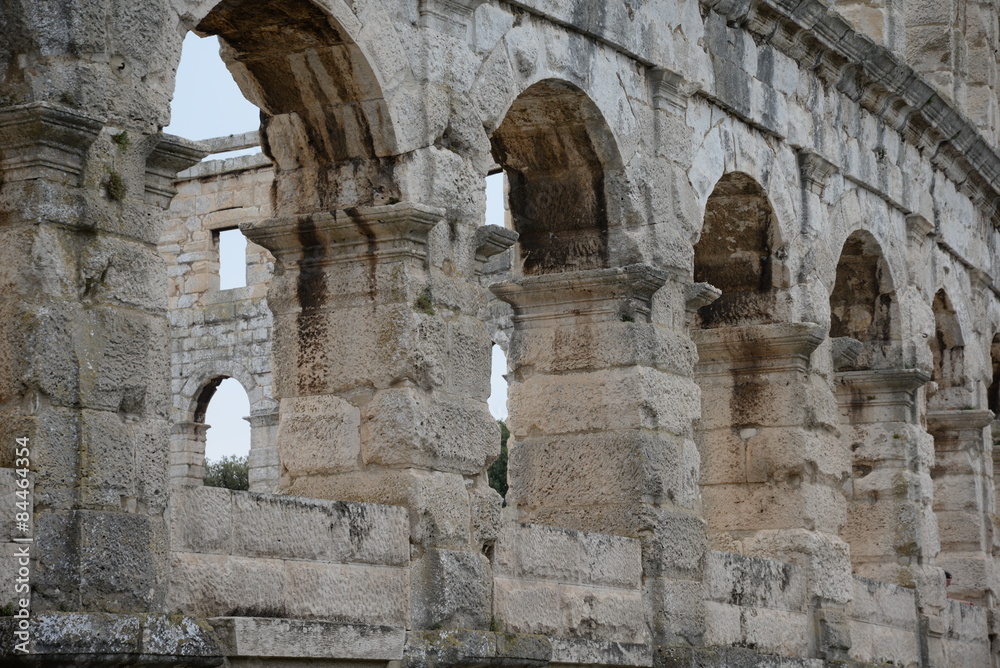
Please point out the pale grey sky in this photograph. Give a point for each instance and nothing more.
(207, 103)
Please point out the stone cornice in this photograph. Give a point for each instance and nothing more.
(773, 347)
(623, 293)
(169, 156)
(492, 240)
(958, 420)
(872, 76)
(43, 141)
(346, 235)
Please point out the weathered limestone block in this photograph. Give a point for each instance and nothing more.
(452, 589)
(607, 399)
(320, 435)
(438, 503)
(307, 639)
(760, 583)
(825, 561)
(407, 426)
(208, 520)
(756, 601)
(622, 472)
(464, 647)
(569, 584)
(535, 552)
(65, 638)
(223, 585)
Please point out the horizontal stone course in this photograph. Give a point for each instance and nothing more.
(208, 520)
(223, 585)
(535, 552)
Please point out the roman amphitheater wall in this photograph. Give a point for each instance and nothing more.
(727, 449)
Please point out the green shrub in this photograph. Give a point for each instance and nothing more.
(231, 472)
(498, 469)
(115, 187)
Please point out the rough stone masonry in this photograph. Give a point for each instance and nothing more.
(749, 291)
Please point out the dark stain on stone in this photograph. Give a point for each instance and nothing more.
(311, 294)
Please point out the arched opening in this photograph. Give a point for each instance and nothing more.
(215, 428)
(498, 408)
(993, 392)
(735, 254)
(225, 412)
(193, 114)
(496, 199)
(863, 311)
(948, 351)
(552, 146)
(322, 107)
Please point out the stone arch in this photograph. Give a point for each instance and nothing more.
(556, 150)
(993, 388)
(323, 109)
(187, 457)
(863, 306)
(948, 354)
(736, 253)
(544, 59)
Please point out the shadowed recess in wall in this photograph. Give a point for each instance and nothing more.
(553, 146)
(735, 253)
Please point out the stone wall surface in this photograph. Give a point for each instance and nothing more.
(748, 287)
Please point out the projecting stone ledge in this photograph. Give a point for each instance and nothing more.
(475, 649)
(89, 639)
(268, 638)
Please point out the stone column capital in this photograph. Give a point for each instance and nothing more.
(874, 395)
(168, 156)
(263, 419)
(194, 429)
(671, 90)
(42, 141)
(492, 240)
(959, 420)
(755, 349)
(383, 232)
(621, 293)
(453, 17)
(815, 170)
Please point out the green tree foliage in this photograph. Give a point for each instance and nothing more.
(231, 472)
(498, 469)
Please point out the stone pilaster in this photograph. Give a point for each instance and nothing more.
(84, 369)
(814, 172)
(382, 384)
(601, 405)
(187, 453)
(962, 496)
(891, 527)
(264, 462)
(771, 468)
